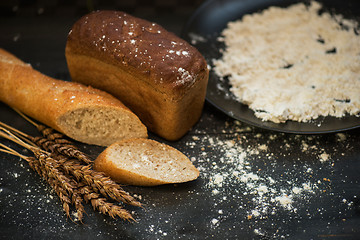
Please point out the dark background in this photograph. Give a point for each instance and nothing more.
(36, 32)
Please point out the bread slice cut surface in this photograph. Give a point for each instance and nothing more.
(145, 162)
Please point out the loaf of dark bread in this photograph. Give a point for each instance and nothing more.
(159, 76)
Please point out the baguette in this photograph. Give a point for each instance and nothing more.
(145, 162)
(83, 113)
(159, 76)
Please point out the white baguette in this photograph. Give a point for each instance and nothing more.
(83, 113)
(145, 162)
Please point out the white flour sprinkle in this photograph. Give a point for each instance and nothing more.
(293, 63)
(214, 221)
(218, 179)
(185, 76)
(256, 188)
(195, 38)
(324, 157)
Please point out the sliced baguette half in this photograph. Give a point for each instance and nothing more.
(145, 162)
(83, 113)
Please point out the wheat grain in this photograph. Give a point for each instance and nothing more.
(43, 172)
(71, 181)
(103, 205)
(57, 142)
(103, 183)
(63, 149)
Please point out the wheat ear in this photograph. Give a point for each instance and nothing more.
(55, 141)
(50, 170)
(48, 166)
(36, 166)
(103, 183)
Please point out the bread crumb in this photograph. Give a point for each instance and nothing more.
(214, 221)
(285, 201)
(324, 157)
(218, 179)
(296, 190)
(341, 136)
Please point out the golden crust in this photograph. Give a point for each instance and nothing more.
(106, 162)
(46, 99)
(159, 76)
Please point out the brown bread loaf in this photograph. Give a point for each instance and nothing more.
(82, 113)
(145, 162)
(159, 76)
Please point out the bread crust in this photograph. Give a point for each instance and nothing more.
(106, 164)
(159, 76)
(48, 100)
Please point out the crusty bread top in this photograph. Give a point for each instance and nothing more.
(143, 48)
(7, 57)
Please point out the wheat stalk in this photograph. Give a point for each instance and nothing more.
(63, 149)
(55, 141)
(43, 172)
(99, 180)
(73, 181)
(102, 205)
(105, 185)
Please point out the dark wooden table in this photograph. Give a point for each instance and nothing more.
(254, 183)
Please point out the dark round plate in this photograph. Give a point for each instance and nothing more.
(206, 25)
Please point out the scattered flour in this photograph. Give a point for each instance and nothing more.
(195, 38)
(258, 190)
(218, 179)
(214, 221)
(324, 157)
(293, 63)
